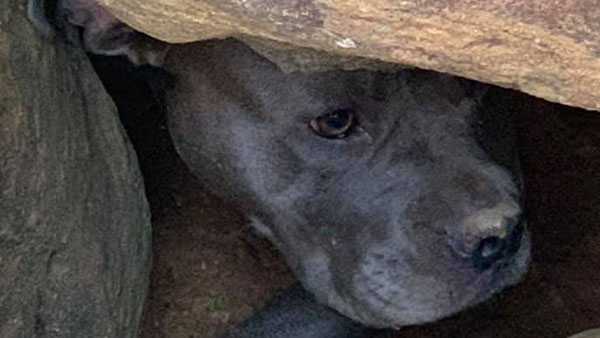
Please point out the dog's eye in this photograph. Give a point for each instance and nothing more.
(336, 124)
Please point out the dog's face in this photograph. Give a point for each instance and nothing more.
(377, 188)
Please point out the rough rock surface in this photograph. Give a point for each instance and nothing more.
(594, 333)
(548, 48)
(74, 221)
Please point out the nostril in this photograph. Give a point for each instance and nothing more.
(494, 248)
(488, 251)
(491, 247)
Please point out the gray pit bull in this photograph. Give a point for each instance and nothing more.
(394, 197)
(388, 197)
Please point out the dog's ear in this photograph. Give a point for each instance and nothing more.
(41, 15)
(87, 23)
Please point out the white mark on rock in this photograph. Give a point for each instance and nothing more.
(346, 43)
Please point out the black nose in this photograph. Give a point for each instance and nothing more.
(492, 249)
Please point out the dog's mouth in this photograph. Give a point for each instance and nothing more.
(374, 301)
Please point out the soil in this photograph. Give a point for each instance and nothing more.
(211, 272)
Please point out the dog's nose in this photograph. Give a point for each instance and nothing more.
(494, 248)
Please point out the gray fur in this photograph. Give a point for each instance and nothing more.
(380, 225)
(89, 24)
(36, 12)
(295, 314)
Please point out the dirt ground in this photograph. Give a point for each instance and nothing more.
(210, 272)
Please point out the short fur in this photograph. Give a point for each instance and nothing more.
(382, 225)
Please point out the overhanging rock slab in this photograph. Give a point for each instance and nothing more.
(547, 48)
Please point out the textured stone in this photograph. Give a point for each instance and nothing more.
(548, 48)
(74, 222)
(594, 333)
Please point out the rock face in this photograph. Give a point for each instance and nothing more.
(74, 222)
(594, 333)
(550, 49)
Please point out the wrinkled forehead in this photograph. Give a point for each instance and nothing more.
(398, 95)
(236, 71)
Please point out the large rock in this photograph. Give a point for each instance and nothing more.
(594, 333)
(74, 222)
(550, 49)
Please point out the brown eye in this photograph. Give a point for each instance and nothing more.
(336, 124)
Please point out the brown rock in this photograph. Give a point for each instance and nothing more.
(594, 333)
(74, 222)
(548, 48)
